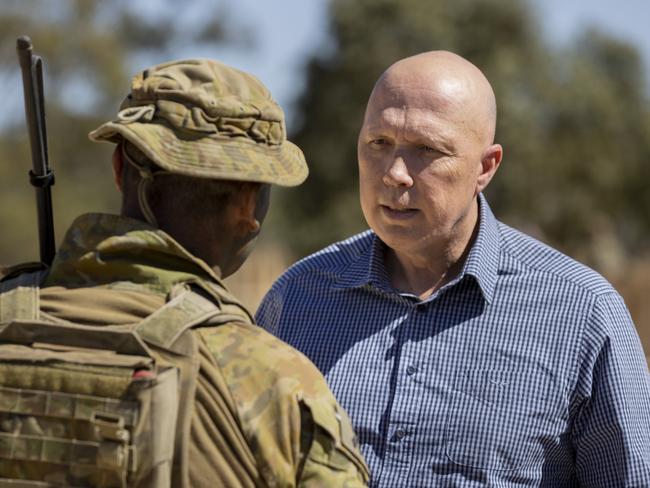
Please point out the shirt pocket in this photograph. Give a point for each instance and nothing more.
(502, 420)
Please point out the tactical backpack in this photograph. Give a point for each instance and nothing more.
(97, 406)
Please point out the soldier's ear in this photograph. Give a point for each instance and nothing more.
(246, 209)
(250, 205)
(118, 166)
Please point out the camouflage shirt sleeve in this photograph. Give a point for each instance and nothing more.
(298, 433)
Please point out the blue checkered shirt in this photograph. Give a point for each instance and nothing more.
(526, 370)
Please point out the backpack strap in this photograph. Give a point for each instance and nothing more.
(232, 309)
(19, 297)
(165, 326)
(167, 331)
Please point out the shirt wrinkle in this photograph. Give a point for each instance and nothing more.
(596, 287)
(484, 385)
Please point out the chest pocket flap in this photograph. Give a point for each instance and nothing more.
(502, 420)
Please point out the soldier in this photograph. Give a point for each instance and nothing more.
(197, 146)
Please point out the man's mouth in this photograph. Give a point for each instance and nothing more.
(398, 213)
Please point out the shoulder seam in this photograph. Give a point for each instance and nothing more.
(566, 279)
(303, 267)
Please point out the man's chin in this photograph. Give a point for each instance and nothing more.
(237, 258)
(396, 237)
(406, 239)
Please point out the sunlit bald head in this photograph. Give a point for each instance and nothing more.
(445, 79)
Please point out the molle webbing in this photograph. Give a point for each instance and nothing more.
(77, 440)
(72, 412)
(7, 483)
(54, 450)
(65, 405)
(64, 419)
(19, 297)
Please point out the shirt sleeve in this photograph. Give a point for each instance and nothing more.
(331, 456)
(218, 450)
(611, 431)
(297, 431)
(270, 310)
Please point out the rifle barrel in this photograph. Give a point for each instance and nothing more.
(41, 177)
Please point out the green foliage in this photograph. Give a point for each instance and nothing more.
(88, 50)
(579, 164)
(574, 123)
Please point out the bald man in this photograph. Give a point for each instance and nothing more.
(467, 353)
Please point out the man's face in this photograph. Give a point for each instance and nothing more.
(419, 160)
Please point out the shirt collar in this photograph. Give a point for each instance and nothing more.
(482, 261)
(361, 270)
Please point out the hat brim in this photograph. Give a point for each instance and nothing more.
(210, 156)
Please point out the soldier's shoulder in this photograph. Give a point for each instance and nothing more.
(280, 395)
(255, 360)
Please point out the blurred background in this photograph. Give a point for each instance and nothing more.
(570, 80)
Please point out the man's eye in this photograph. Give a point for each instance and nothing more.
(426, 148)
(378, 142)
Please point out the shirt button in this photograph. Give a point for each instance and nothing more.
(411, 370)
(399, 434)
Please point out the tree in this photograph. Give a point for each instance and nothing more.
(574, 123)
(89, 50)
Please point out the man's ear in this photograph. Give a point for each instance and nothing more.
(118, 166)
(244, 204)
(490, 161)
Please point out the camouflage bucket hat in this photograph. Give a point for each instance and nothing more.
(205, 119)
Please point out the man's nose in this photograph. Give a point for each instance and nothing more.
(397, 174)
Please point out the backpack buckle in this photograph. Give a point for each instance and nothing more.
(110, 427)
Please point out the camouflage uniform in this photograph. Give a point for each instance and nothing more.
(261, 414)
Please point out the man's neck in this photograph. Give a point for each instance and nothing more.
(425, 271)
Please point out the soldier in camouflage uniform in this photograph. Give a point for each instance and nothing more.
(197, 146)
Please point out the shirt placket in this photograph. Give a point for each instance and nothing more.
(405, 408)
